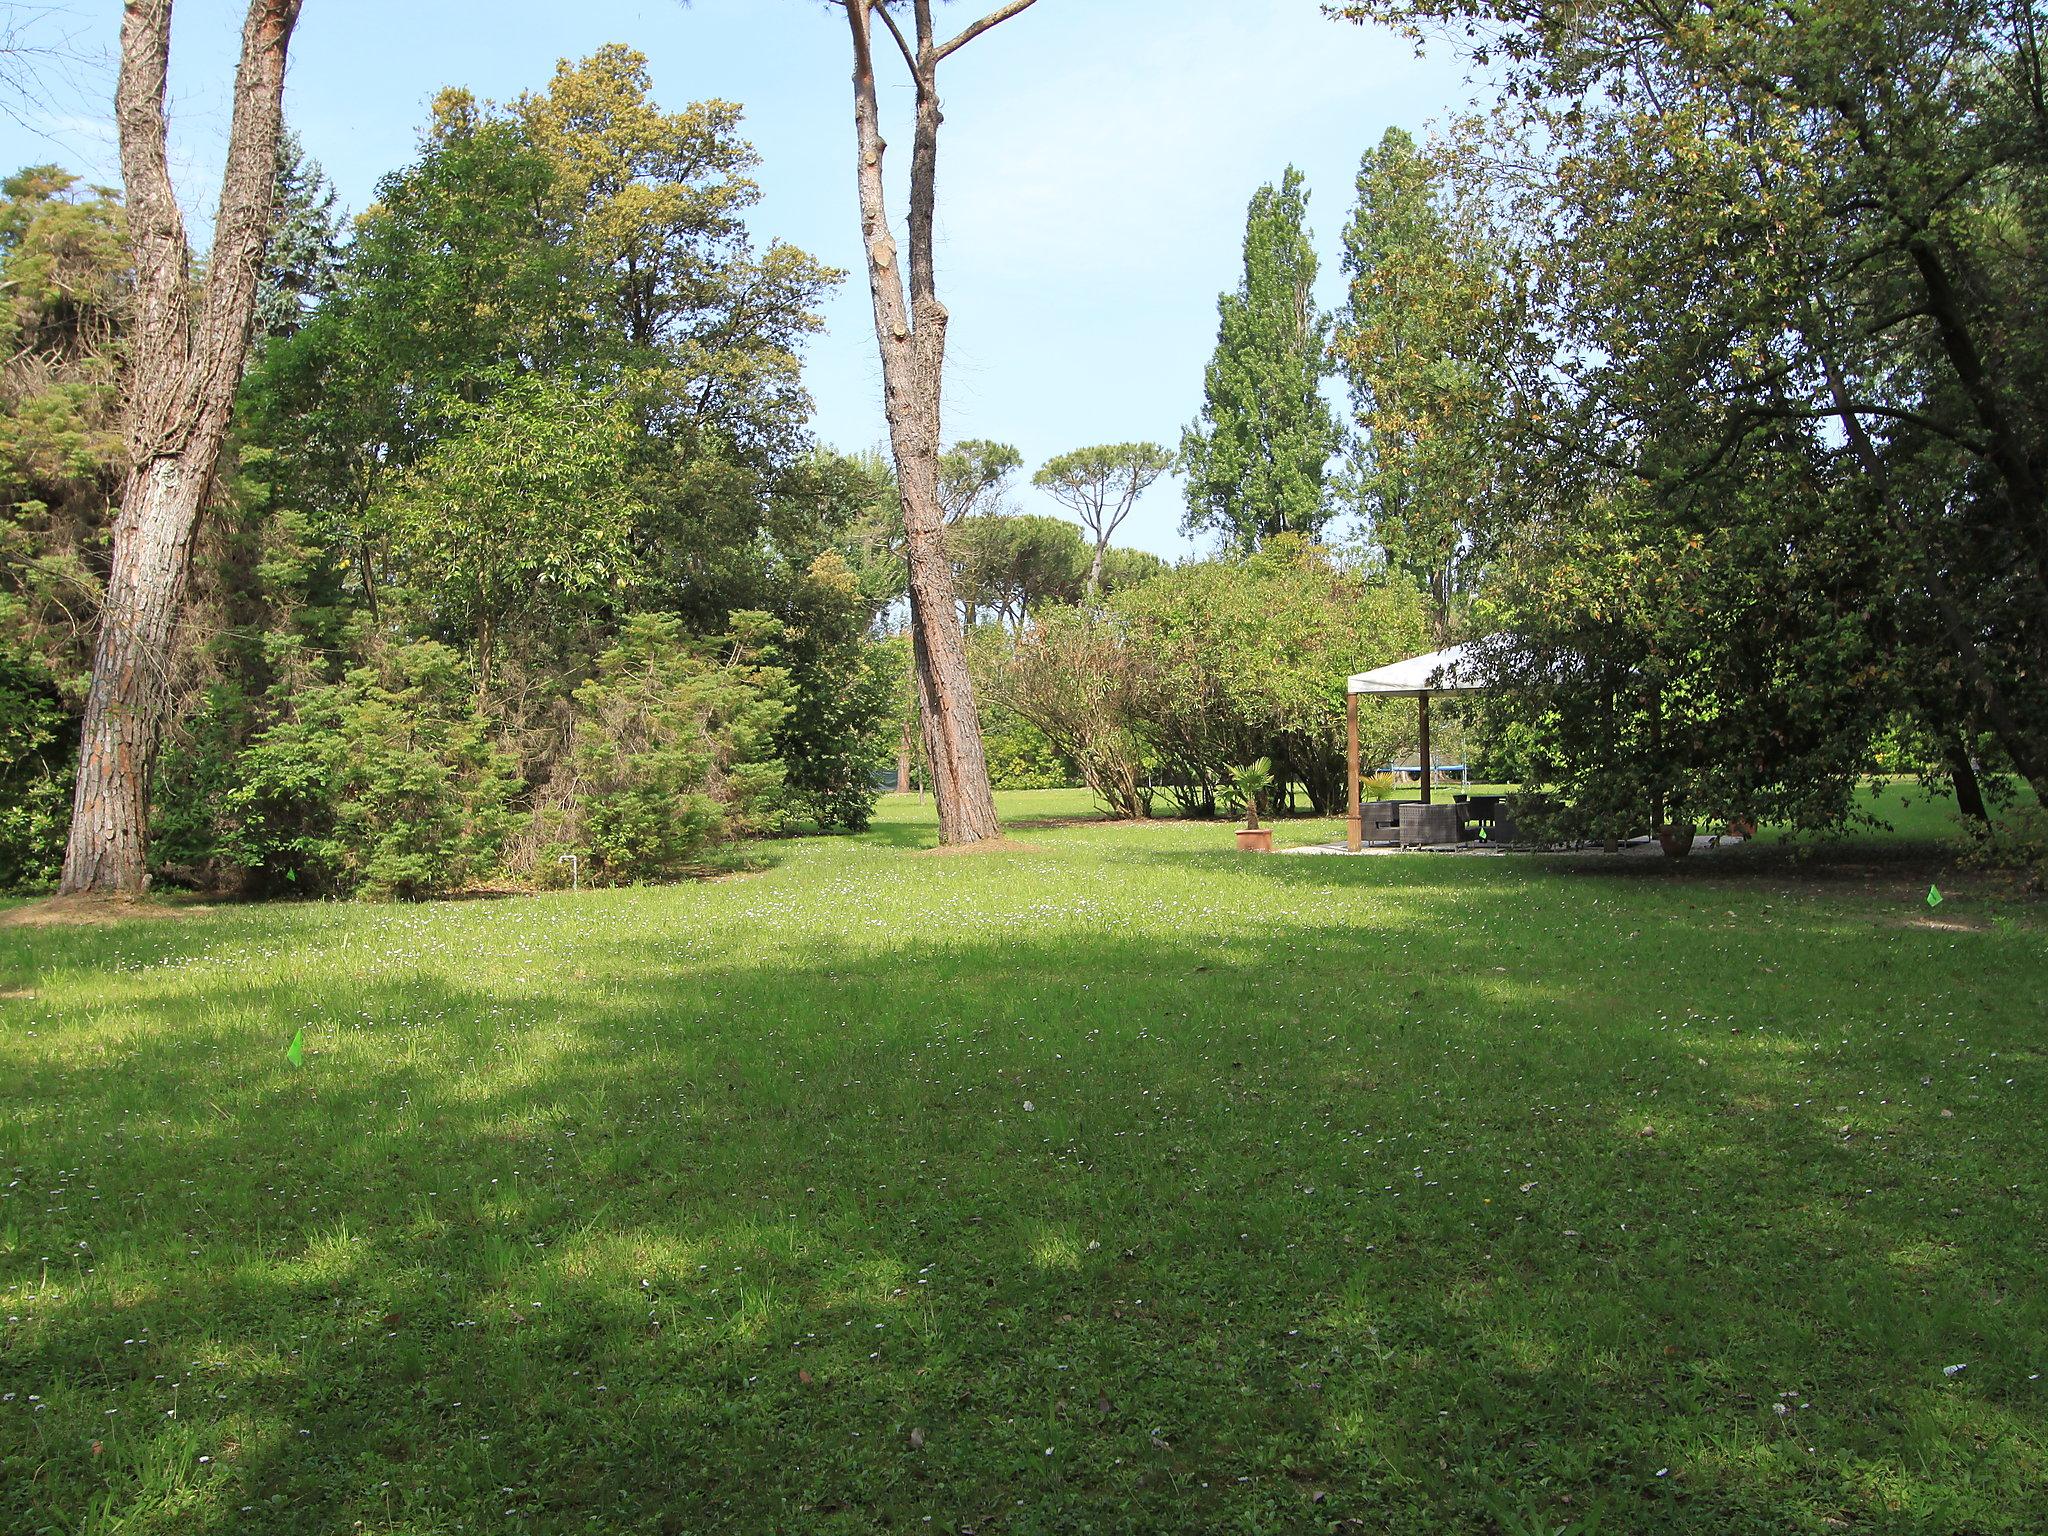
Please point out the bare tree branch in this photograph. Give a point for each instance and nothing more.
(994, 18)
(902, 43)
(40, 49)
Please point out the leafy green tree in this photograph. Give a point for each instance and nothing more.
(1123, 568)
(587, 237)
(974, 475)
(1787, 253)
(304, 254)
(1174, 683)
(1249, 657)
(455, 283)
(889, 656)
(65, 276)
(1256, 459)
(974, 479)
(1657, 674)
(1413, 345)
(1012, 566)
(1100, 485)
(1074, 679)
(64, 282)
(842, 699)
(35, 771)
(522, 511)
(1020, 755)
(556, 383)
(654, 203)
(846, 503)
(547, 380)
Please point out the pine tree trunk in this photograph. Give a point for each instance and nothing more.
(130, 691)
(912, 339)
(185, 368)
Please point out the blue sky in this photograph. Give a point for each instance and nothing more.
(1096, 162)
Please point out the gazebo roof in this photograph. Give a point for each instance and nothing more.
(1453, 670)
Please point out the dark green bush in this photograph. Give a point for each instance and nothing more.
(675, 750)
(38, 750)
(384, 784)
(841, 699)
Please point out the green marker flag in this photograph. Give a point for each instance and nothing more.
(1934, 895)
(296, 1051)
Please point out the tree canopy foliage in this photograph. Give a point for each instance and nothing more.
(1414, 344)
(1775, 391)
(1175, 682)
(1700, 385)
(1100, 485)
(543, 394)
(1256, 459)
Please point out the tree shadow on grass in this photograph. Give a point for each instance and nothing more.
(1481, 1212)
(1896, 868)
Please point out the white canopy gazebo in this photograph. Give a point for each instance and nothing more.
(1452, 670)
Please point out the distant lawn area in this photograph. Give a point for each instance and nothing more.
(1112, 1182)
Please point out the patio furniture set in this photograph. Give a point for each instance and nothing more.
(1437, 824)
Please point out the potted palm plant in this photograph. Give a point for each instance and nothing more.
(1250, 782)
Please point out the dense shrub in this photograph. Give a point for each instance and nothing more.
(1074, 679)
(36, 762)
(1020, 755)
(386, 783)
(1178, 681)
(675, 751)
(842, 699)
(1249, 658)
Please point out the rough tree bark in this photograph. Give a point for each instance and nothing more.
(911, 333)
(185, 363)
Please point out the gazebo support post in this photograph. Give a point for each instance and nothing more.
(1422, 718)
(1354, 822)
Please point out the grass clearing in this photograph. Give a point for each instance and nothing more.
(1113, 1182)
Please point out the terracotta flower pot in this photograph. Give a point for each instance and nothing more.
(1676, 838)
(1254, 839)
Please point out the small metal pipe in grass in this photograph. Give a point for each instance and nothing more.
(575, 872)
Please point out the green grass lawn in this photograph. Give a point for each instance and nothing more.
(1114, 1183)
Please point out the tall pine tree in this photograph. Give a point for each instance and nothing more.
(304, 254)
(1255, 461)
